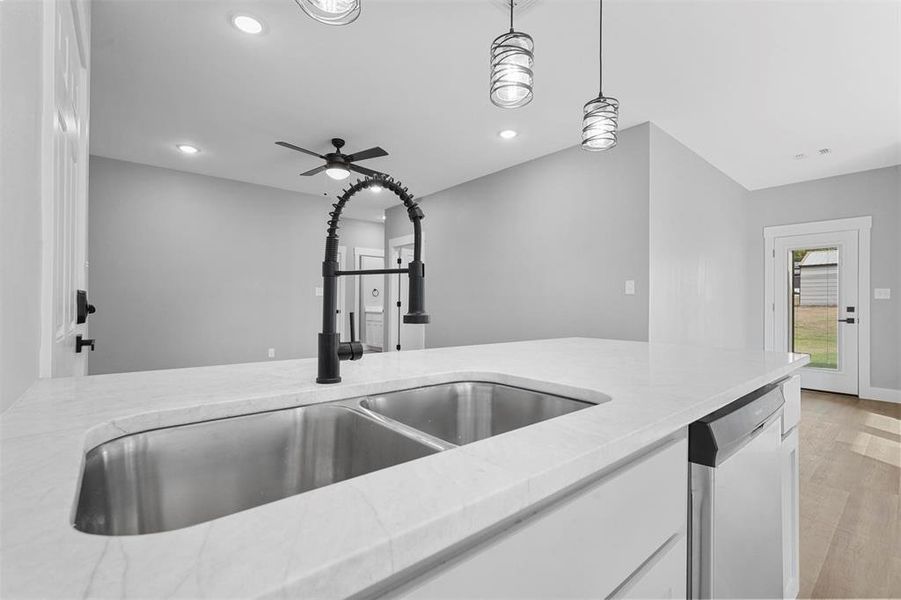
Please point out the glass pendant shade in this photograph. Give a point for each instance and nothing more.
(331, 12)
(337, 172)
(511, 69)
(599, 122)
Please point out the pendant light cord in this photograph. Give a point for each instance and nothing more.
(601, 49)
(511, 16)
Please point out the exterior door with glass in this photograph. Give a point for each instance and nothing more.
(816, 308)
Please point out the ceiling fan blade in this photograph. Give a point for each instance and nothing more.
(299, 149)
(315, 171)
(369, 153)
(365, 171)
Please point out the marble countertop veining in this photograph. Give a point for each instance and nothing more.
(340, 539)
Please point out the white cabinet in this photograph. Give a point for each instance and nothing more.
(661, 577)
(790, 513)
(791, 389)
(623, 534)
(791, 413)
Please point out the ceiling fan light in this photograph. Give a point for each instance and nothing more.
(599, 122)
(512, 56)
(331, 12)
(337, 172)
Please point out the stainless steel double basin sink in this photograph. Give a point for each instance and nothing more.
(170, 478)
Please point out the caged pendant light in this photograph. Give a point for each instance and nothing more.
(600, 115)
(512, 55)
(331, 12)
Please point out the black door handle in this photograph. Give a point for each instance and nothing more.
(83, 307)
(81, 342)
(849, 320)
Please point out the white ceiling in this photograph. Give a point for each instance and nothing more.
(746, 84)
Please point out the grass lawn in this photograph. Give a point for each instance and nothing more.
(816, 331)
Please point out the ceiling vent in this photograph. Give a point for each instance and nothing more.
(824, 150)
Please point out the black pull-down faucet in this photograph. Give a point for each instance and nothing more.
(331, 350)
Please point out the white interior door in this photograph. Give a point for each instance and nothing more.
(408, 337)
(65, 183)
(816, 309)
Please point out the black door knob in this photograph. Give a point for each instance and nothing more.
(849, 320)
(81, 342)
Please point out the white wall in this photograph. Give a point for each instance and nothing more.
(20, 197)
(699, 290)
(190, 270)
(539, 250)
(875, 193)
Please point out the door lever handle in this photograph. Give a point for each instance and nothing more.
(849, 320)
(81, 342)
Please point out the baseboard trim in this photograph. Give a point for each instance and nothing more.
(883, 394)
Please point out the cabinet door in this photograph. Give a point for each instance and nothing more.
(585, 546)
(663, 576)
(790, 511)
(791, 413)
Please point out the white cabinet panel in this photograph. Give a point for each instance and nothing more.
(790, 513)
(664, 576)
(586, 545)
(791, 414)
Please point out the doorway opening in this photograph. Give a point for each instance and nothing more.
(370, 298)
(401, 336)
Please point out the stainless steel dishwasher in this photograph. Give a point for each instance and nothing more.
(736, 499)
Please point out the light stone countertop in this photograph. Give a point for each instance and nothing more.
(340, 539)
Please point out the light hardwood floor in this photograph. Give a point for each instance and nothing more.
(850, 466)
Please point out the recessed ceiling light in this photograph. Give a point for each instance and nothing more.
(384, 217)
(799, 156)
(508, 134)
(188, 148)
(247, 24)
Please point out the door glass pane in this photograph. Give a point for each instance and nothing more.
(814, 305)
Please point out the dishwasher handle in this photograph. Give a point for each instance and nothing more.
(712, 439)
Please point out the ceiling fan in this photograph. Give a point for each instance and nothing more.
(338, 165)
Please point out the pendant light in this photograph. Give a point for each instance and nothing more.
(331, 12)
(601, 114)
(511, 68)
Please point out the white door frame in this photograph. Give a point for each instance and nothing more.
(391, 305)
(359, 253)
(863, 226)
(341, 319)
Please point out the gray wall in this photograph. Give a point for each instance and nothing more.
(699, 292)
(20, 197)
(875, 193)
(189, 270)
(539, 250)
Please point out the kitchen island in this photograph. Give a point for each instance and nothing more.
(385, 532)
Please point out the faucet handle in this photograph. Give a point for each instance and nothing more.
(351, 349)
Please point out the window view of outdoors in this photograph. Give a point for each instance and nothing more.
(815, 305)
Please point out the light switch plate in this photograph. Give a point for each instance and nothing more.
(630, 287)
(882, 294)
(271, 352)
(318, 291)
